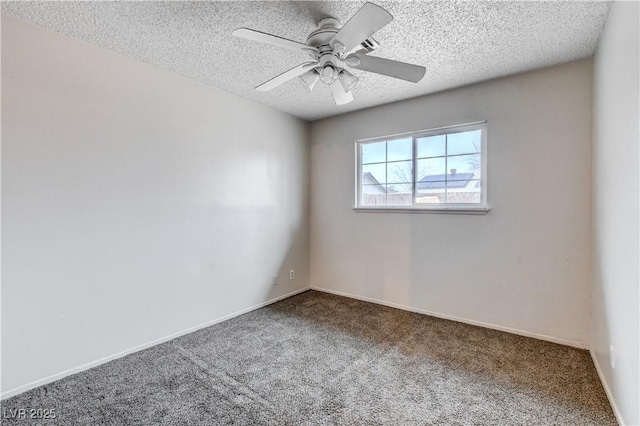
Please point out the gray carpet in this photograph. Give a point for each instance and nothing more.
(316, 359)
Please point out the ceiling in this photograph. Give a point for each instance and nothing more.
(458, 42)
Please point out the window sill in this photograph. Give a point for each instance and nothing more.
(440, 210)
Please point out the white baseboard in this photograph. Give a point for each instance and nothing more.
(87, 366)
(607, 390)
(572, 343)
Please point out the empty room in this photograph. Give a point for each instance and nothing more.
(320, 212)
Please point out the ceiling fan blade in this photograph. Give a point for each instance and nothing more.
(286, 76)
(369, 19)
(339, 95)
(261, 37)
(395, 69)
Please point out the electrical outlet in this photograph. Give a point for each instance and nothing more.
(292, 274)
(275, 280)
(612, 356)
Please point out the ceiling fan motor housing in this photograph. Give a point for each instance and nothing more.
(327, 29)
(326, 55)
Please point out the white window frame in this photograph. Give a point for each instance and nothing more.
(455, 208)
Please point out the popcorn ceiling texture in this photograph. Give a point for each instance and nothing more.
(458, 42)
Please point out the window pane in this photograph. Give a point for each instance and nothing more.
(464, 143)
(470, 192)
(402, 187)
(374, 152)
(447, 169)
(374, 200)
(432, 186)
(374, 174)
(400, 149)
(431, 192)
(373, 195)
(399, 172)
(464, 167)
(431, 169)
(373, 189)
(433, 146)
(399, 194)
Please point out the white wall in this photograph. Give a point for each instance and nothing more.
(136, 204)
(524, 266)
(615, 315)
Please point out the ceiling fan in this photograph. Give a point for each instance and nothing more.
(333, 49)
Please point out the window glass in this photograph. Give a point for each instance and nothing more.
(431, 167)
(464, 142)
(400, 171)
(432, 146)
(461, 166)
(374, 173)
(447, 169)
(374, 152)
(401, 149)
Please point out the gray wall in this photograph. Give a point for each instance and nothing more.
(615, 316)
(525, 266)
(136, 204)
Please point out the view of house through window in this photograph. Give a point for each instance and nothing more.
(423, 170)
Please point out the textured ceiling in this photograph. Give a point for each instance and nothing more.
(458, 42)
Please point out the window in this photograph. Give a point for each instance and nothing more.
(440, 169)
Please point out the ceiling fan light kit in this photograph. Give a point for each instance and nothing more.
(347, 80)
(329, 74)
(309, 79)
(333, 49)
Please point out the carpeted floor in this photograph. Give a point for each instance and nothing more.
(316, 359)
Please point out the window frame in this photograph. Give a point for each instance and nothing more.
(455, 208)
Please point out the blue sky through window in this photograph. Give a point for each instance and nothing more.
(436, 155)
